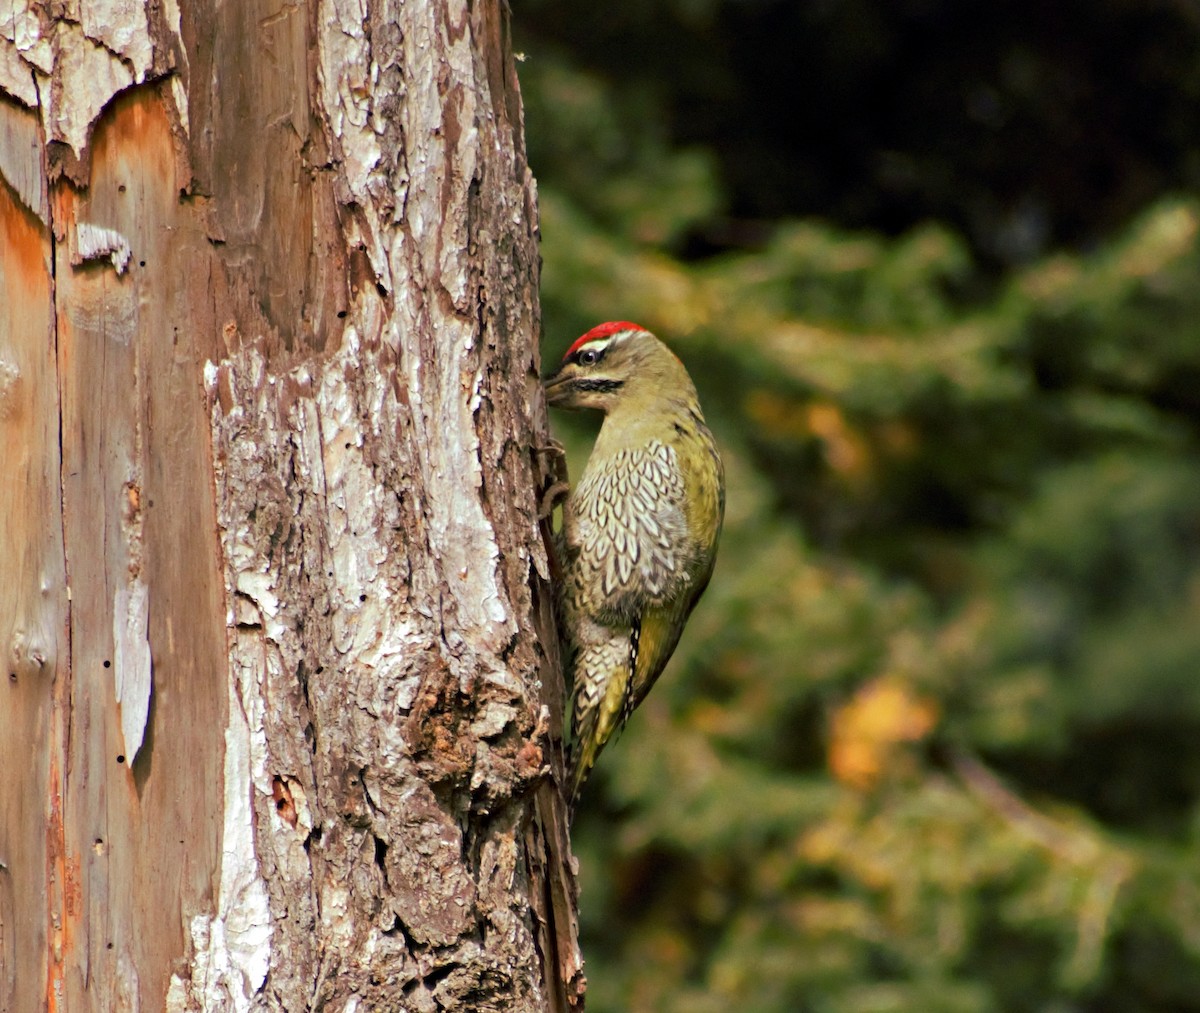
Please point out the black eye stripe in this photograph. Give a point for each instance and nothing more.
(599, 386)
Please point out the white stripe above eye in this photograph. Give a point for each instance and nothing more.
(602, 341)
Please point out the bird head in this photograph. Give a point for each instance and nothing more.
(617, 363)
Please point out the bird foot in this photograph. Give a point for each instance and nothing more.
(555, 473)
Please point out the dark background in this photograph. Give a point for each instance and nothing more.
(1024, 126)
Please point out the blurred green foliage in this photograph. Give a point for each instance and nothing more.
(932, 740)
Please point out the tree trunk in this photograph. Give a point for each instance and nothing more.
(282, 689)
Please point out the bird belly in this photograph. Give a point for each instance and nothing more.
(626, 534)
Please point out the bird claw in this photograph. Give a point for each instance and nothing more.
(551, 498)
(555, 472)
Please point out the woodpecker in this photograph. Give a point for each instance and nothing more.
(639, 532)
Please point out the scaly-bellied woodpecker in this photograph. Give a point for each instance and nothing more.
(640, 529)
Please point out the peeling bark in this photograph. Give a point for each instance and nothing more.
(282, 686)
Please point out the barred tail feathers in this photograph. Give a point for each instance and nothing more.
(613, 677)
(603, 687)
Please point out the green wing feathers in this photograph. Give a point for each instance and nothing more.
(660, 630)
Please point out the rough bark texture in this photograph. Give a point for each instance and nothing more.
(276, 695)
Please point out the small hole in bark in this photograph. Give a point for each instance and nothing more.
(107, 663)
(12, 676)
(341, 314)
(362, 597)
(141, 263)
(121, 188)
(320, 669)
(120, 757)
(284, 804)
(108, 946)
(437, 975)
(347, 446)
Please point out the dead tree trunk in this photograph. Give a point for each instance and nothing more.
(281, 690)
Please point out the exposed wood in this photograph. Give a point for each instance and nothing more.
(268, 379)
(33, 599)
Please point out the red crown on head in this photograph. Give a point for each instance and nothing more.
(602, 331)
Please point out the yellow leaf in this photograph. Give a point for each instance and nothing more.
(868, 733)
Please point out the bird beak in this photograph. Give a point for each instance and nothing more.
(556, 385)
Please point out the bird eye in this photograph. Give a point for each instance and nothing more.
(588, 357)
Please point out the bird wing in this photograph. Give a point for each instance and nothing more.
(659, 631)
